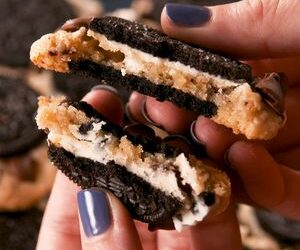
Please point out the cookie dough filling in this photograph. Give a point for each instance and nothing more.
(212, 85)
(198, 188)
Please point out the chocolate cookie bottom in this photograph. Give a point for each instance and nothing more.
(144, 202)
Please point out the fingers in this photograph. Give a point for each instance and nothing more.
(148, 238)
(245, 29)
(269, 184)
(60, 227)
(146, 109)
(216, 138)
(218, 232)
(105, 100)
(255, 166)
(105, 223)
(174, 240)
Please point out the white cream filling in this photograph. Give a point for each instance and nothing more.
(191, 218)
(162, 70)
(97, 146)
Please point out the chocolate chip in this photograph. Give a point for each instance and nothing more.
(85, 128)
(76, 23)
(209, 198)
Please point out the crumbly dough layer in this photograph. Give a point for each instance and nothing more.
(63, 122)
(239, 107)
(17, 194)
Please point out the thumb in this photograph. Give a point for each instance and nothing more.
(105, 223)
(246, 29)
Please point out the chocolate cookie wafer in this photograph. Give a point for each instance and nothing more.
(158, 183)
(132, 55)
(20, 25)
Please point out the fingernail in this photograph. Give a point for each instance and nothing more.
(193, 135)
(200, 148)
(145, 114)
(129, 114)
(226, 159)
(105, 87)
(188, 15)
(94, 210)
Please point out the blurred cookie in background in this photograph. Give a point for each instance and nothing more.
(73, 86)
(26, 176)
(286, 231)
(262, 230)
(76, 87)
(19, 230)
(20, 25)
(112, 5)
(85, 8)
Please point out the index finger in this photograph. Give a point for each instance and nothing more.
(60, 226)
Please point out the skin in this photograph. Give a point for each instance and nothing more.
(265, 34)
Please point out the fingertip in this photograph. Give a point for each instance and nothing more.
(166, 22)
(106, 102)
(260, 174)
(216, 138)
(134, 107)
(173, 119)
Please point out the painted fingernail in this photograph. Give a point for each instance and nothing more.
(129, 114)
(200, 148)
(105, 87)
(188, 15)
(226, 159)
(145, 114)
(193, 135)
(94, 210)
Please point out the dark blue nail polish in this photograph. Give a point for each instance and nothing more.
(200, 148)
(193, 135)
(105, 87)
(94, 210)
(145, 114)
(129, 114)
(188, 15)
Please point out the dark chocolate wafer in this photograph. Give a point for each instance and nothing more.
(160, 181)
(139, 58)
(20, 25)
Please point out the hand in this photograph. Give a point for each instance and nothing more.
(264, 174)
(109, 226)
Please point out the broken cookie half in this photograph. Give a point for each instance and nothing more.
(139, 58)
(157, 183)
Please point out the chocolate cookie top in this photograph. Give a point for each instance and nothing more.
(158, 44)
(19, 230)
(21, 25)
(18, 131)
